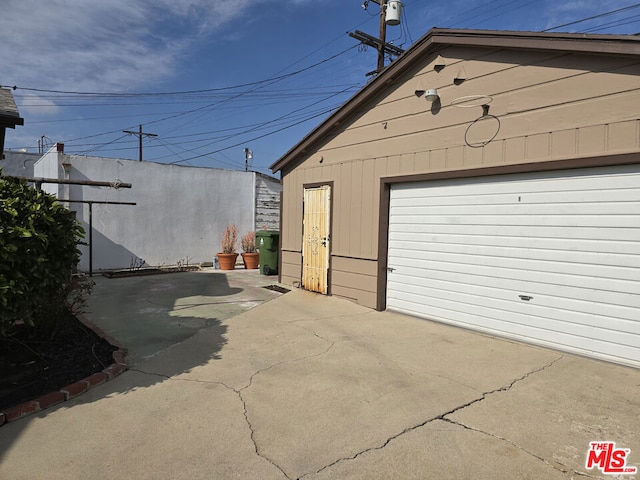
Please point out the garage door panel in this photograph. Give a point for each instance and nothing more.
(618, 279)
(501, 294)
(607, 195)
(620, 352)
(622, 233)
(613, 266)
(587, 212)
(466, 250)
(522, 220)
(518, 278)
(542, 184)
(499, 319)
(620, 253)
(495, 317)
(584, 180)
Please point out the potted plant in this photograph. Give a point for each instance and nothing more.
(249, 256)
(227, 258)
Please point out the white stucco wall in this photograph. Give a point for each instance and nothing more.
(18, 164)
(180, 215)
(50, 166)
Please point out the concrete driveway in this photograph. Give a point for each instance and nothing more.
(311, 387)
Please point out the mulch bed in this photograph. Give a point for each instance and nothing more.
(32, 368)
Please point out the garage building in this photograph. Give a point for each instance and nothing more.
(485, 179)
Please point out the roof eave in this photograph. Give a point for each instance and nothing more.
(9, 121)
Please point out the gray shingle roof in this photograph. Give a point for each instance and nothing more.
(9, 114)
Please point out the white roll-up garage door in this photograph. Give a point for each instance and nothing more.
(551, 258)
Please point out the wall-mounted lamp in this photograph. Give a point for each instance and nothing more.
(431, 95)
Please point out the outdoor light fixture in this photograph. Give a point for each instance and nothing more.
(432, 95)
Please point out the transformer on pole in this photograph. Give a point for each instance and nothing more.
(390, 14)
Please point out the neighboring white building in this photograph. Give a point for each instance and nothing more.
(180, 212)
(18, 164)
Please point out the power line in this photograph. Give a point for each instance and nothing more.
(600, 15)
(621, 24)
(479, 7)
(269, 122)
(186, 92)
(177, 114)
(255, 138)
(140, 134)
(225, 132)
(103, 145)
(225, 94)
(613, 23)
(511, 10)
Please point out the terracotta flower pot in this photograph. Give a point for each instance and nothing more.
(227, 260)
(251, 260)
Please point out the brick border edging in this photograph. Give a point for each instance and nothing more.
(118, 366)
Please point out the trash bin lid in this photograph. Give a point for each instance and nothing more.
(267, 233)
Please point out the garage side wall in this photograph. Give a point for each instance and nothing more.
(542, 107)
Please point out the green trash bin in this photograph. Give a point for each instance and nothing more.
(267, 243)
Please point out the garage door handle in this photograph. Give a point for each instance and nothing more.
(526, 298)
(390, 269)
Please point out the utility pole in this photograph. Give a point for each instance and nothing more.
(380, 44)
(383, 33)
(248, 154)
(140, 134)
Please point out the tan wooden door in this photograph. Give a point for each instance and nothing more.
(316, 232)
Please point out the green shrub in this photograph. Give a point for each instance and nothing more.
(38, 256)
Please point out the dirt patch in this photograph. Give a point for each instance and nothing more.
(31, 368)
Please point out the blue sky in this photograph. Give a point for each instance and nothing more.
(262, 74)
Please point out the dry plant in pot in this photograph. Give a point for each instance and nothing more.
(249, 256)
(228, 256)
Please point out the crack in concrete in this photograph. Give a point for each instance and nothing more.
(253, 438)
(306, 357)
(244, 401)
(433, 419)
(239, 392)
(582, 474)
(561, 468)
(565, 470)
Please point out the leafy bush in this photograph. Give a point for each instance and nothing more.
(38, 256)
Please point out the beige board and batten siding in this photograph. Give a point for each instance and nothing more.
(549, 106)
(344, 268)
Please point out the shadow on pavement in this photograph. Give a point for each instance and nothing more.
(148, 316)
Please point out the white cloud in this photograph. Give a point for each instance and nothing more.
(97, 45)
(37, 105)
